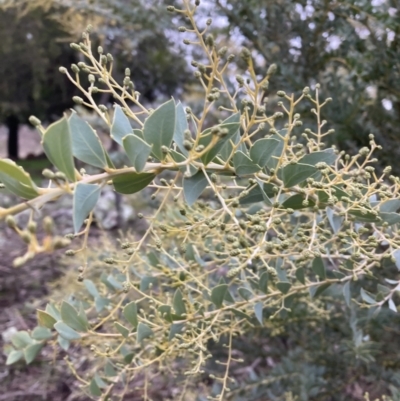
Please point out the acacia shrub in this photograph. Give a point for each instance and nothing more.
(259, 228)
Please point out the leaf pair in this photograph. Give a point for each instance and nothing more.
(68, 322)
(27, 346)
(260, 153)
(158, 133)
(69, 138)
(72, 322)
(294, 174)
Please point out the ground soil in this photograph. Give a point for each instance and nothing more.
(25, 289)
(22, 290)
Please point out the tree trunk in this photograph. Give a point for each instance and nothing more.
(12, 123)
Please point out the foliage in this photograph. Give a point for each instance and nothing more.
(29, 52)
(137, 36)
(260, 231)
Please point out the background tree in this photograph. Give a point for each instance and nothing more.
(29, 83)
(352, 48)
(138, 36)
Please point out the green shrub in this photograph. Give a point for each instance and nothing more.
(259, 230)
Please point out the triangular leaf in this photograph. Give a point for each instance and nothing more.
(82, 315)
(132, 182)
(334, 220)
(231, 127)
(57, 145)
(99, 381)
(109, 370)
(241, 314)
(178, 304)
(366, 297)
(391, 218)
(288, 301)
(31, 352)
(294, 174)
(137, 150)
(16, 180)
(127, 354)
(63, 343)
(130, 313)
(218, 294)
(277, 153)
(53, 311)
(175, 329)
(255, 195)
(295, 202)
(383, 290)
(146, 282)
(41, 333)
(122, 329)
(94, 388)
(153, 259)
(194, 186)
(21, 339)
(14, 356)
(143, 331)
(84, 200)
(120, 125)
(114, 282)
(227, 150)
(45, 319)
(258, 310)
(327, 156)
(262, 150)
(181, 125)
(159, 128)
(66, 332)
(245, 293)
(319, 268)
(91, 288)
(390, 206)
(228, 297)
(283, 287)
(69, 316)
(165, 312)
(244, 165)
(262, 187)
(86, 145)
(317, 290)
(281, 273)
(392, 305)
(364, 216)
(101, 303)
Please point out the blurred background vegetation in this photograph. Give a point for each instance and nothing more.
(351, 47)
